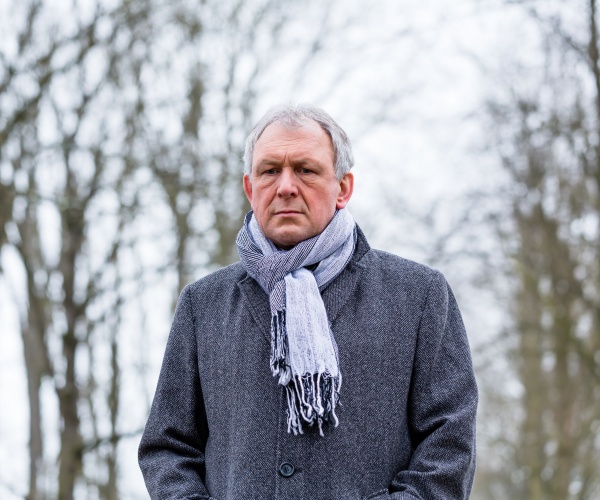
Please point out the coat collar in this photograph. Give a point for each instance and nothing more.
(335, 295)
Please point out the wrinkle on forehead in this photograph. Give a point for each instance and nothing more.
(279, 142)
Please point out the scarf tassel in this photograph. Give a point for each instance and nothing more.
(279, 349)
(312, 398)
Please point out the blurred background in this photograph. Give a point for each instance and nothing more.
(476, 128)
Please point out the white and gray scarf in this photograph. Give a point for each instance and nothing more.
(303, 350)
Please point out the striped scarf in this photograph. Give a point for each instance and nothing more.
(303, 351)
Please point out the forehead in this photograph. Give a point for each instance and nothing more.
(308, 140)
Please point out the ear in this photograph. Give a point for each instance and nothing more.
(248, 187)
(346, 189)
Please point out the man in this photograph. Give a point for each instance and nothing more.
(316, 368)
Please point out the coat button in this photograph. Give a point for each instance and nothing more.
(286, 469)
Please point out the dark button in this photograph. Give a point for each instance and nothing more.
(286, 470)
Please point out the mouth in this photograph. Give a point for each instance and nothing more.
(284, 213)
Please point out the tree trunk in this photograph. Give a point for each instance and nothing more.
(34, 379)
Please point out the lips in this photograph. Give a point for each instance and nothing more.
(288, 212)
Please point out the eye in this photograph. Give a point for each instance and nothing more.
(306, 171)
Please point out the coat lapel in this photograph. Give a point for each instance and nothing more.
(339, 291)
(258, 303)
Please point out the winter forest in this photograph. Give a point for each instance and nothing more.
(476, 133)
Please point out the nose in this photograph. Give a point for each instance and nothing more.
(287, 183)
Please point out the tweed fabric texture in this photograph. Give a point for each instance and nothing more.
(303, 350)
(407, 414)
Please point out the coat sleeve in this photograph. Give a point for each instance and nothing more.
(171, 452)
(442, 405)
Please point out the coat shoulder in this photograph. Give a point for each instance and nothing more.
(219, 282)
(395, 268)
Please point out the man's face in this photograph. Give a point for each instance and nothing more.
(293, 190)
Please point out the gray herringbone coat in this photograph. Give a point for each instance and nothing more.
(217, 428)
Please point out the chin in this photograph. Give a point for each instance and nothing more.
(287, 242)
(286, 245)
(288, 238)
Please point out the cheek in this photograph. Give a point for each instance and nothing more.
(257, 206)
(258, 198)
(326, 210)
(260, 205)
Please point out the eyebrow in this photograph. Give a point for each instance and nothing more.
(266, 162)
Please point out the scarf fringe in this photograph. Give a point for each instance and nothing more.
(312, 398)
(279, 348)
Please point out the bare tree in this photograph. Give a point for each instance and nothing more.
(546, 132)
(57, 151)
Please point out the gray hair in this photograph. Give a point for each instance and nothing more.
(295, 116)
